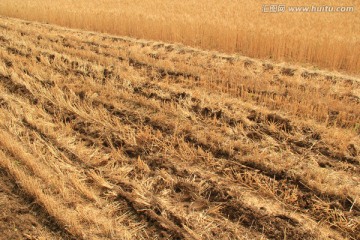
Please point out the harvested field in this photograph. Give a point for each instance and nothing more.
(105, 137)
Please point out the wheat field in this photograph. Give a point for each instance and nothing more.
(107, 137)
(324, 40)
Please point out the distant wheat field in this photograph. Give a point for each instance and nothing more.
(322, 40)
